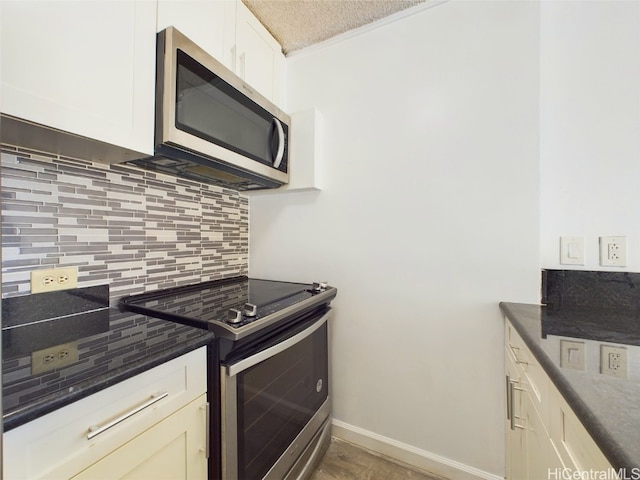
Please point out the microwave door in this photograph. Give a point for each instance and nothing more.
(204, 116)
(221, 122)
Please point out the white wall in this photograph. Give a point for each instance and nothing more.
(428, 218)
(590, 127)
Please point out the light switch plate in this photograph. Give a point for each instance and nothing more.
(572, 355)
(572, 250)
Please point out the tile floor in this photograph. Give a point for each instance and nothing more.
(345, 461)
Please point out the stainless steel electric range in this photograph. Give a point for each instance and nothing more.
(268, 370)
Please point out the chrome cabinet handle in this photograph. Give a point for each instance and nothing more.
(509, 400)
(511, 387)
(95, 430)
(207, 413)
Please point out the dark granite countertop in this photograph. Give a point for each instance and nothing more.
(608, 407)
(112, 346)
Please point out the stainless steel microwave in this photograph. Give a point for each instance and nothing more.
(210, 125)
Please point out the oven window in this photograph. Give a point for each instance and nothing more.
(276, 399)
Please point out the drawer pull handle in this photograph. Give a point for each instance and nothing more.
(95, 430)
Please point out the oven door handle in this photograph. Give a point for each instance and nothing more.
(249, 362)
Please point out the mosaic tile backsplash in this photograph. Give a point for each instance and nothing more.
(131, 229)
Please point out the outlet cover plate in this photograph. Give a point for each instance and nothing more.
(51, 358)
(613, 251)
(613, 361)
(53, 279)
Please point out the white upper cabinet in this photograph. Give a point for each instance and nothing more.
(228, 31)
(259, 57)
(211, 25)
(82, 67)
(88, 68)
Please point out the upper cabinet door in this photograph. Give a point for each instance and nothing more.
(259, 58)
(211, 25)
(228, 31)
(83, 67)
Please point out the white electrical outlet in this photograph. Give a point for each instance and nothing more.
(613, 251)
(613, 361)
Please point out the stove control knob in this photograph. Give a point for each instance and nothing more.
(250, 310)
(235, 316)
(319, 286)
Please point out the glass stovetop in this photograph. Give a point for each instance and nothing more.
(211, 301)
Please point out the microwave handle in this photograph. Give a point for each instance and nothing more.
(280, 153)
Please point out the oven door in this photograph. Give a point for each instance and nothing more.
(274, 402)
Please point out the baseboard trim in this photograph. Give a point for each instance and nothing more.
(407, 454)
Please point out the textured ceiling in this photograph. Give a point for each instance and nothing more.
(299, 23)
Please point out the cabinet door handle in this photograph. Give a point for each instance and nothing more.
(95, 430)
(207, 413)
(511, 387)
(509, 401)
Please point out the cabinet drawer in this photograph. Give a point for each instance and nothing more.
(175, 448)
(575, 446)
(535, 380)
(62, 443)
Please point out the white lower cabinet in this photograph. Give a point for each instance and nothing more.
(530, 452)
(516, 440)
(172, 449)
(544, 438)
(574, 444)
(153, 425)
(542, 457)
